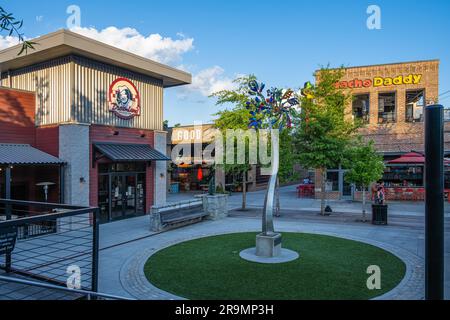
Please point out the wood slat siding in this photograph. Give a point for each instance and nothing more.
(92, 81)
(47, 139)
(52, 83)
(75, 89)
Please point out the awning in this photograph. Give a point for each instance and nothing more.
(412, 158)
(24, 154)
(122, 152)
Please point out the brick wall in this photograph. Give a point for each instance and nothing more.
(400, 136)
(126, 135)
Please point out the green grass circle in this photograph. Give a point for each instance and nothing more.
(328, 268)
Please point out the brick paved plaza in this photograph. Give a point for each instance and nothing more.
(127, 245)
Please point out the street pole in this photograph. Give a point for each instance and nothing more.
(434, 203)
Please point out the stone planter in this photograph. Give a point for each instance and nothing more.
(216, 206)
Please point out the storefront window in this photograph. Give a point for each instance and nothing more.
(122, 167)
(361, 107)
(414, 105)
(403, 176)
(446, 114)
(333, 180)
(386, 107)
(2, 182)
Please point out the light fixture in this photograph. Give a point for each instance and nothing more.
(82, 180)
(143, 135)
(115, 133)
(45, 186)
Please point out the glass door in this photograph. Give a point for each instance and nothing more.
(347, 189)
(127, 195)
(103, 197)
(117, 199)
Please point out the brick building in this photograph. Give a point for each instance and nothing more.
(390, 100)
(86, 120)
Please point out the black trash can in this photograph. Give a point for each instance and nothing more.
(379, 214)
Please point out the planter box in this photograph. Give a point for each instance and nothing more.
(216, 206)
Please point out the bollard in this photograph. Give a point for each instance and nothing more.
(434, 203)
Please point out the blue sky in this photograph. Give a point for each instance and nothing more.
(282, 42)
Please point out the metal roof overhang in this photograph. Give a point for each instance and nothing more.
(121, 152)
(24, 154)
(63, 42)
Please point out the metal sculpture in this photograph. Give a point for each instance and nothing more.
(273, 111)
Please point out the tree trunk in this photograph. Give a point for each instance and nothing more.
(324, 192)
(364, 204)
(244, 190)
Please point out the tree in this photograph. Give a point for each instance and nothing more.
(365, 166)
(12, 26)
(325, 129)
(237, 118)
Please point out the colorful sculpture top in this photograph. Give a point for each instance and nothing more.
(274, 110)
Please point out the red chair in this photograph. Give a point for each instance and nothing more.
(409, 194)
(420, 194)
(398, 193)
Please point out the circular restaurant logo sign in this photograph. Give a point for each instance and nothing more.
(124, 99)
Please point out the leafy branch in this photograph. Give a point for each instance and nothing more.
(11, 25)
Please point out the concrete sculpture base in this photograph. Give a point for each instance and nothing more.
(268, 245)
(286, 255)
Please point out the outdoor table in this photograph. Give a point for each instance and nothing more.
(305, 190)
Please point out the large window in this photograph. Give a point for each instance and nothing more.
(386, 107)
(333, 180)
(414, 105)
(361, 107)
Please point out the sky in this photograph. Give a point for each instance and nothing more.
(281, 42)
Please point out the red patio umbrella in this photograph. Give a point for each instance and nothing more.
(413, 158)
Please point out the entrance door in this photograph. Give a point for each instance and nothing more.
(347, 189)
(123, 196)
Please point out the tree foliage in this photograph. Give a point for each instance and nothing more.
(324, 129)
(12, 26)
(364, 164)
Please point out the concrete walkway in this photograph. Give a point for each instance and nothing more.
(121, 264)
(290, 201)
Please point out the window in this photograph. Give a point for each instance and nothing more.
(361, 107)
(333, 180)
(414, 105)
(446, 114)
(386, 107)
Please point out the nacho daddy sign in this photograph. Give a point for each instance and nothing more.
(380, 82)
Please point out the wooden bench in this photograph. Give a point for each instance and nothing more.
(174, 215)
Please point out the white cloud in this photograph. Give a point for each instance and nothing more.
(7, 41)
(153, 46)
(211, 80)
(158, 48)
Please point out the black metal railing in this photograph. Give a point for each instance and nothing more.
(50, 243)
(53, 290)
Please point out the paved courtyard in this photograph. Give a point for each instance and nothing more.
(127, 244)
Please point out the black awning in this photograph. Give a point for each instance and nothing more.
(122, 152)
(24, 154)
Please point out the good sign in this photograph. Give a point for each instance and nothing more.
(380, 81)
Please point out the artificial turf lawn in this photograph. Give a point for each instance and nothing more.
(328, 268)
